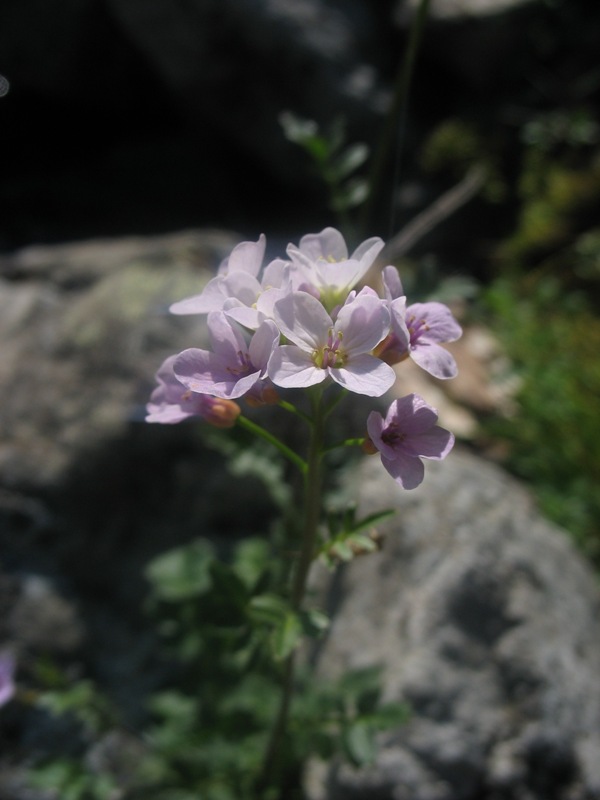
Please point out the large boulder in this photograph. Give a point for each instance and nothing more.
(486, 622)
(84, 327)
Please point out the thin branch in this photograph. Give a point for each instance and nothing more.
(437, 212)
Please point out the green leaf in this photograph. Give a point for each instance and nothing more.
(351, 195)
(177, 709)
(183, 572)
(314, 622)
(390, 715)
(341, 550)
(356, 682)
(372, 519)
(269, 609)
(297, 129)
(286, 636)
(351, 159)
(359, 743)
(361, 544)
(228, 585)
(251, 559)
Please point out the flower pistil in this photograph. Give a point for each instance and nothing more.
(331, 355)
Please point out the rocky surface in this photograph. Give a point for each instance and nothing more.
(84, 327)
(88, 491)
(485, 620)
(483, 616)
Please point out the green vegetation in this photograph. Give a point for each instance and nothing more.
(553, 340)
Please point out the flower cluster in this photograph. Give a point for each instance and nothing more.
(300, 321)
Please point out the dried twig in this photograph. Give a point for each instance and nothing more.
(439, 210)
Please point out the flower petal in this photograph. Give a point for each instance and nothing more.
(262, 344)
(204, 372)
(411, 415)
(368, 251)
(226, 340)
(434, 443)
(392, 284)
(364, 323)
(329, 243)
(398, 323)
(441, 325)
(245, 257)
(245, 315)
(364, 374)
(406, 470)
(303, 320)
(291, 367)
(435, 360)
(375, 428)
(210, 299)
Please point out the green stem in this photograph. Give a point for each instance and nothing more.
(257, 430)
(358, 442)
(312, 503)
(292, 409)
(395, 121)
(337, 398)
(312, 513)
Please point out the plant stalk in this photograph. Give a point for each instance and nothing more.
(312, 513)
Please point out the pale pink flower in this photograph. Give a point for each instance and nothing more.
(322, 348)
(172, 402)
(237, 278)
(236, 364)
(406, 434)
(417, 331)
(325, 268)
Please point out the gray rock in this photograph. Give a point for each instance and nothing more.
(42, 620)
(84, 327)
(485, 620)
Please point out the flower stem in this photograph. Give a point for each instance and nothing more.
(293, 410)
(357, 442)
(312, 514)
(392, 135)
(257, 430)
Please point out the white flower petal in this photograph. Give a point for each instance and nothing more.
(303, 320)
(291, 367)
(364, 323)
(365, 374)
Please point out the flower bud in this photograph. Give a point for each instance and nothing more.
(220, 412)
(269, 396)
(368, 447)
